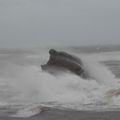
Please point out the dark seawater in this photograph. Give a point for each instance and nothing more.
(27, 93)
(114, 66)
(56, 114)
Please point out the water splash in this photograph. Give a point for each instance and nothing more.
(32, 85)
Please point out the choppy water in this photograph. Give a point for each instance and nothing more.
(25, 88)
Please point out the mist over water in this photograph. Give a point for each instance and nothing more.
(23, 83)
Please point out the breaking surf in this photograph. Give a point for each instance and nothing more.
(25, 89)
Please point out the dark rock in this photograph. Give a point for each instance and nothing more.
(60, 60)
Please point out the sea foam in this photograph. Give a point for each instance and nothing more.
(33, 86)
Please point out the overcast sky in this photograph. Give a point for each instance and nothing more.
(34, 23)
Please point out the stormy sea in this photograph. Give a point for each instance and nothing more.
(29, 93)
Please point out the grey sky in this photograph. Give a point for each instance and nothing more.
(33, 23)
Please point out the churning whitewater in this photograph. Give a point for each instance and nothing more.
(25, 89)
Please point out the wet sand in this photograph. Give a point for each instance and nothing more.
(55, 114)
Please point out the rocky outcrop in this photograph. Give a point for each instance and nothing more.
(60, 60)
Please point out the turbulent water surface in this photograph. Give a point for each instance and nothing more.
(25, 89)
